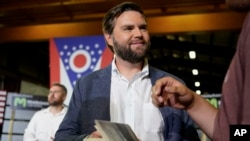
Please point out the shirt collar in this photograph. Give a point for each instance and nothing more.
(63, 111)
(144, 71)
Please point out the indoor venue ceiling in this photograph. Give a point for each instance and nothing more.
(169, 51)
(30, 12)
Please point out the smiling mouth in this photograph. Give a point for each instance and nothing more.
(138, 43)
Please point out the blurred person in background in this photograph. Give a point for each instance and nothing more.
(45, 122)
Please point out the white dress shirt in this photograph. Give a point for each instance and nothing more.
(43, 125)
(131, 104)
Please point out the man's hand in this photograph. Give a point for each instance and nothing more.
(95, 136)
(168, 91)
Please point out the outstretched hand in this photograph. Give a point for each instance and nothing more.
(168, 91)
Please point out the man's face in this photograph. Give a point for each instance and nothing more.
(130, 38)
(56, 96)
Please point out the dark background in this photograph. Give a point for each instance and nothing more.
(29, 61)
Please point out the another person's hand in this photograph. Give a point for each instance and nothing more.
(168, 91)
(94, 136)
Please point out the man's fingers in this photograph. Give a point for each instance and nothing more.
(174, 90)
(159, 84)
(170, 92)
(157, 101)
(156, 89)
(163, 90)
(95, 135)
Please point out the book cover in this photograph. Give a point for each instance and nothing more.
(112, 131)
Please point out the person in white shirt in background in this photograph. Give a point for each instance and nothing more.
(45, 122)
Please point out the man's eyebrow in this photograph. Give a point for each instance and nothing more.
(131, 25)
(144, 25)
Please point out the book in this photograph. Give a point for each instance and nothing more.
(112, 131)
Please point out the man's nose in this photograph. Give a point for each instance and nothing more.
(137, 32)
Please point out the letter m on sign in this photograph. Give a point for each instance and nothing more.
(20, 101)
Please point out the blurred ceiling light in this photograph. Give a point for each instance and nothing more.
(192, 54)
(197, 84)
(195, 72)
(198, 92)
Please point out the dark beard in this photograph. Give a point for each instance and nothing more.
(55, 103)
(128, 54)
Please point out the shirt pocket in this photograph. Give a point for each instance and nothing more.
(152, 118)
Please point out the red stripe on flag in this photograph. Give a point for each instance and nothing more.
(107, 57)
(54, 63)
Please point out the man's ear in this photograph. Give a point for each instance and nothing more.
(108, 39)
(64, 97)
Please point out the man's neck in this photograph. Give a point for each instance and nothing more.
(128, 69)
(56, 109)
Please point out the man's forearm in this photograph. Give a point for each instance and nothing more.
(204, 114)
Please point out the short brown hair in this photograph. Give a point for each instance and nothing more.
(62, 86)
